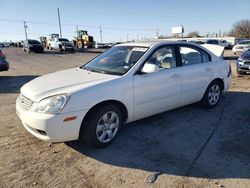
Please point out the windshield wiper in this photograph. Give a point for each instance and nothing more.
(100, 71)
(93, 70)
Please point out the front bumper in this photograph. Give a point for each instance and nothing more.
(243, 67)
(36, 49)
(50, 127)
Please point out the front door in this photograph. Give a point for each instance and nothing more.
(158, 91)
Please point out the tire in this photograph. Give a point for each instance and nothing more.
(80, 44)
(240, 72)
(212, 95)
(108, 119)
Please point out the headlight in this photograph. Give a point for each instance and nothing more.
(240, 61)
(52, 105)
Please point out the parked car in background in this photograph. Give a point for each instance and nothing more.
(130, 81)
(4, 44)
(197, 42)
(240, 47)
(4, 65)
(61, 44)
(243, 62)
(32, 45)
(102, 45)
(219, 42)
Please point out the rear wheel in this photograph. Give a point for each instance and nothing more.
(212, 95)
(101, 126)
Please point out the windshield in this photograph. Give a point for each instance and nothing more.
(33, 42)
(118, 60)
(63, 40)
(246, 55)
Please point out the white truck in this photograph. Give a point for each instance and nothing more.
(61, 44)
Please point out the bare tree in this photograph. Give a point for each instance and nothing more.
(241, 29)
(193, 34)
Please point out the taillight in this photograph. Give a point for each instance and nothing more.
(2, 54)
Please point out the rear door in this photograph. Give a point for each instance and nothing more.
(197, 70)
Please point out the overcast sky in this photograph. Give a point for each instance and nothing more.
(119, 19)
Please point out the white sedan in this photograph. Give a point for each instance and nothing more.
(126, 83)
(241, 47)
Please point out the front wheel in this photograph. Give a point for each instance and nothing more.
(101, 126)
(239, 72)
(212, 95)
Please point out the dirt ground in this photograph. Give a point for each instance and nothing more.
(188, 147)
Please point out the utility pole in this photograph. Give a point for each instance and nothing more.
(157, 34)
(25, 29)
(59, 21)
(127, 37)
(101, 33)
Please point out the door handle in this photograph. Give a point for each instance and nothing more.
(175, 76)
(208, 69)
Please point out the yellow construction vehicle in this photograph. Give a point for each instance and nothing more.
(83, 40)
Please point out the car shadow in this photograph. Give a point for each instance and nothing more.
(12, 84)
(230, 57)
(190, 141)
(57, 52)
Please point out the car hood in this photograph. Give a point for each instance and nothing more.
(66, 81)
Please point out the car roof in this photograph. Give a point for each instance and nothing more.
(154, 43)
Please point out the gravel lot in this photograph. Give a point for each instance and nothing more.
(189, 146)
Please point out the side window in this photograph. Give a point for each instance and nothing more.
(205, 57)
(190, 56)
(163, 57)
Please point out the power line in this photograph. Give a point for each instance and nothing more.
(95, 27)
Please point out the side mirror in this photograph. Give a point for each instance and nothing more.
(149, 68)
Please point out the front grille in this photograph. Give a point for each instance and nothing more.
(247, 62)
(25, 102)
(68, 44)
